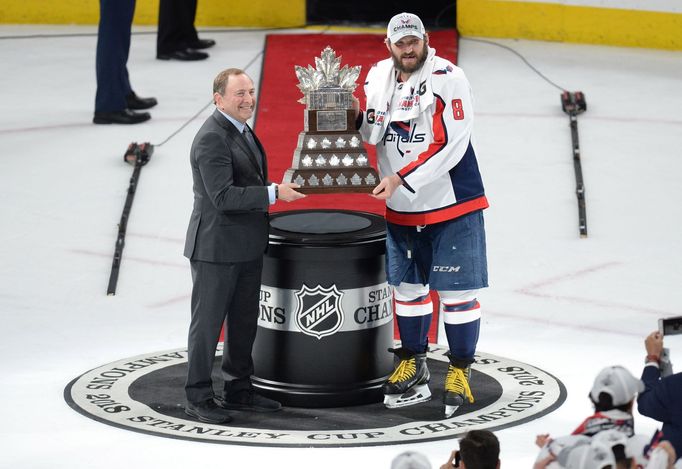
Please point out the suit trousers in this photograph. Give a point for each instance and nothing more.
(176, 25)
(113, 46)
(222, 293)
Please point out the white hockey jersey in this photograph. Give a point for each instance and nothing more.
(433, 152)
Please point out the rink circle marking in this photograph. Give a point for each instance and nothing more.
(102, 394)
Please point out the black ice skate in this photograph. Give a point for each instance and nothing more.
(457, 386)
(408, 385)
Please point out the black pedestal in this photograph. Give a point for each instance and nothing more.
(326, 317)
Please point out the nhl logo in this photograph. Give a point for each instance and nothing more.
(319, 312)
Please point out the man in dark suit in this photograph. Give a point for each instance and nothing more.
(226, 239)
(662, 398)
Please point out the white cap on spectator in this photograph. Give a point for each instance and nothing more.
(635, 448)
(557, 445)
(410, 460)
(611, 438)
(594, 455)
(617, 382)
(404, 24)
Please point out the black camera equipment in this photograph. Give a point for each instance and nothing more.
(138, 155)
(574, 104)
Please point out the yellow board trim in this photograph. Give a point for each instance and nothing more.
(260, 13)
(567, 23)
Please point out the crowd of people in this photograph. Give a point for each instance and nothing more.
(604, 440)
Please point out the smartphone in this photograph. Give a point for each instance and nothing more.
(670, 326)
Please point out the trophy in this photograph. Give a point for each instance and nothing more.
(330, 156)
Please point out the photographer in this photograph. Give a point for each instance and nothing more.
(662, 398)
(479, 449)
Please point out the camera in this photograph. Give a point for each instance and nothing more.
(670, 326)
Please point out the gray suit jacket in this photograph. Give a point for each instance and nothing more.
(229, 221)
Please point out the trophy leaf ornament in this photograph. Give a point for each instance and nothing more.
(327, 74)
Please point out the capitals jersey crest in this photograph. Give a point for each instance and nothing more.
(319, 313)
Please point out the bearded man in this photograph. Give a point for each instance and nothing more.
(419, 116)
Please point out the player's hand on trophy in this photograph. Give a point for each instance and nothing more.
(387, 187)
(287, 192)
(356, 106)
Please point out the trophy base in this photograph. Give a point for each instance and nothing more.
(336, 190)
(331, 181)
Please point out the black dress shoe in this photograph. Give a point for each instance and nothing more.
(207, 411)
(184, 55)
(248, 400)
(201, 44)
(135, 102)
(120, 117)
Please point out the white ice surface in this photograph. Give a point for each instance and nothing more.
(567, 305)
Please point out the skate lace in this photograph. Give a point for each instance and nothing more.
(456, 381)
(405, 370)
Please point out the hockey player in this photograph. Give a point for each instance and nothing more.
(419, 116)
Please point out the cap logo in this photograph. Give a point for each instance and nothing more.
(405, 26)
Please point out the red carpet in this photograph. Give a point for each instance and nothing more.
(279, 118)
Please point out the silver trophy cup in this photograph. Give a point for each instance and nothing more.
(330, 156)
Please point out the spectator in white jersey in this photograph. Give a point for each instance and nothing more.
(420, 116)
(611, 450)
(613, 394)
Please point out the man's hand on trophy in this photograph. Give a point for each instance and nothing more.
(286, 192)
(387, 187)
(356, 106)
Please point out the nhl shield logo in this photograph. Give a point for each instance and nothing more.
(319, 312)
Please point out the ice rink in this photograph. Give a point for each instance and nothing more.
(567, 305)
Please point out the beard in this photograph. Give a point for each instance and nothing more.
(421, 58)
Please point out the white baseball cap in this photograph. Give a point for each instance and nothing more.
(558, 444)
(617, 382)
(404, 24)
(592, 455)
(410, 460)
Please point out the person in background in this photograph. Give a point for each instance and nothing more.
(613, 394)
(661, 399)
(410, 460)
(479, 449)
(177, 38)
(115, 100)
(609, 450)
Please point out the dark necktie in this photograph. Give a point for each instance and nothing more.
(253, 146)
